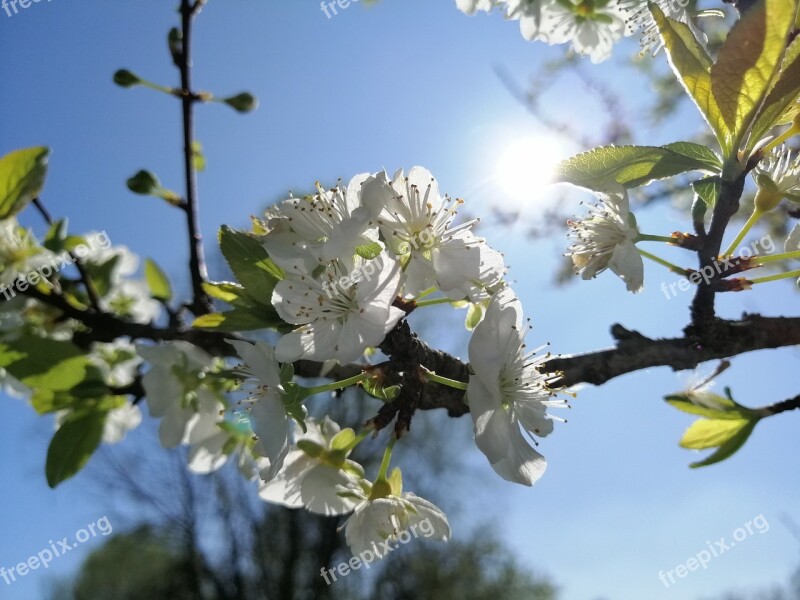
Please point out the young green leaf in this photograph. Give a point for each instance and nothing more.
(72, 446)
(748, 60)
(713, 406)
(44, 363)
(692, 66)
(157, 281)
(249, 261)
(377, 390)
(708, 189)
(241, 320)
(710, 433)
(780, 105)
(730, 447)
(22, 175)
(632, 166)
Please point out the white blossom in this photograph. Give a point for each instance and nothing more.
(507, 392)
(337, 321)
(417, 224)
(20, 252)
(779, 173)
(606, 238)
(592, 26)
(313, 472)
(268, 416)
(379, 520)
(175, 389)
(640, 19)
(470, 7)
(315, 230)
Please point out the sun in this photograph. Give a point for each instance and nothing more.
(526, 166)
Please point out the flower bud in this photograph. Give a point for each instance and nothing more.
(244, 102)
(126, 79)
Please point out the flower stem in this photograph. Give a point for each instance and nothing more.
(646, 237)
(359, 438)
(427, 292)
(443, 380)
(776, 277)
(773, 257)
(665, 263)
(433, 302)
(754, 218)
(387, 458)
(338, 385)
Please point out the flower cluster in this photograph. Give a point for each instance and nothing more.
(591, 26)
(386, 237)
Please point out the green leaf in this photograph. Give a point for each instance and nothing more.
(376, 389)
(710, 433)
(157, 281)
(57, 241)
(730, 447)
(780, 105)
(241, 320)
(22, 175)
(697, 152)
(249, 261)
(713, 406)
(72, 446)
(708, 189)
(748, 60)
(102, 274)
(630, 166)
(44, 363)
(229, 292)
(692, 66)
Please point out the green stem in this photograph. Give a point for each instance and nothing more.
(781, 138)
(159, 88)
(443, 380)
(665, 263)
(337, 385)
(773, 257)
(359, 438)
(646, 237)
(754, 218)
(433, 302)
(427, 292)
(776, 277)
(387, 458)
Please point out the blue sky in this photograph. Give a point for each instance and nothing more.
(407, 82)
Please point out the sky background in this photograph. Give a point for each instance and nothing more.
(404, 83)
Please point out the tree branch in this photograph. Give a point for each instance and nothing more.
(201, 304)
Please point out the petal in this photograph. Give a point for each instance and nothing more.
(260, 358)
(627, 263)
(319, 491)
(271, 425)
(523, 464)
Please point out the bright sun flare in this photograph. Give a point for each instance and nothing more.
(526, 166)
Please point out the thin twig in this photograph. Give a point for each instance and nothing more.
(91, 290)
(201, 303)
